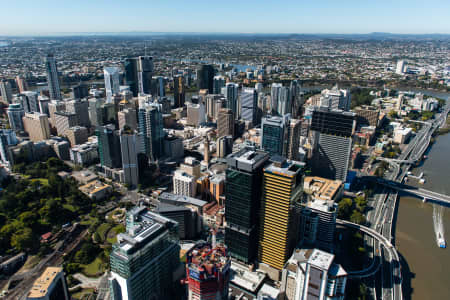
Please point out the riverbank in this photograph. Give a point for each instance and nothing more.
(425, 266)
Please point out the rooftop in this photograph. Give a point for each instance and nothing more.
(283, 167)
(94, 187)
(180, 200)
(242, 277)
(41, 285)
(322, 188)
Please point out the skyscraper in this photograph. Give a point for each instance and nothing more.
(242, 202)
(145, 257)
(313, 274)
(284, 101)
(219, 83)
(37, 126)
(275, 92)
(282, 190)
(109, 146)
(400, 69)
(274, 134)
(21, 84)
(131, 75)
(296, 97)
(208, 272)
(52, 77)
(112, 82)
(335, 99)
(249, 104)
(231, 94)
(6, 91)
(129, 150)
(293, 144)
(151, 127)
(332, 142)
(225, 122)
(178, 91)
(15, 113)
(205, 78)
(29, 101)
(145, 73)
(127, 117)
(81, 109)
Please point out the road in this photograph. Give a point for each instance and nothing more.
(381, 220)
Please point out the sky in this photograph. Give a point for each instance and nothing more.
(33, 17)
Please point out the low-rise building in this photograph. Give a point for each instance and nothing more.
(96, 189)
(50, 285)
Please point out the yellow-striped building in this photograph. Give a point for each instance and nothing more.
(282, 188)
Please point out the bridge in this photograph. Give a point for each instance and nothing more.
(418, 192)
(394, 259)
(391, 160)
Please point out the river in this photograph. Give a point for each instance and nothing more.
(426, 272)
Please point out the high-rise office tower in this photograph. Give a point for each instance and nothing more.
(6, 91)
(242, 202)
(129, 150)
(224, 146)
(131, 75)
(282, 191)
(37, 126)
(53, 107)
(293, 145)
(332, 142)
(400, 69)
(219, 83)
(112, 82)
(335, 99)
(64, 120)
(196, 114)
(249, 106)
(159, 86)
(7, 138)
(43, 105)
(80, 91)
(211, 105)
(145, 73)
(208, 272)
(284, 101)
(145, 257)
(109, 146)
(187, 74)
(81, 109)
(29, 101)
(274, 134)
(205, 78)
(313, 274)
(49, 286)
(178, 91)
(15, 113)
(231, 94)
(77, 135)
(128, 117)
(21, 84)
(275, 92)
(52, 77)
(151, 127)
(225, 122)
(318, 214)
(296, 98)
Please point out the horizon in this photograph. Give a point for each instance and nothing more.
(251, 17)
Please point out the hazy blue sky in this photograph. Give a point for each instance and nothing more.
(263, 16)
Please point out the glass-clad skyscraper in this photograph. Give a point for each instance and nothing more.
(242, 202)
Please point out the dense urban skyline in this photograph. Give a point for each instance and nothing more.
(63, 17)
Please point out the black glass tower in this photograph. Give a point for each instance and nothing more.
(242, 202)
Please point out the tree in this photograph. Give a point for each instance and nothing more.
(357, 217)
(345, 208)
(23, 239)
